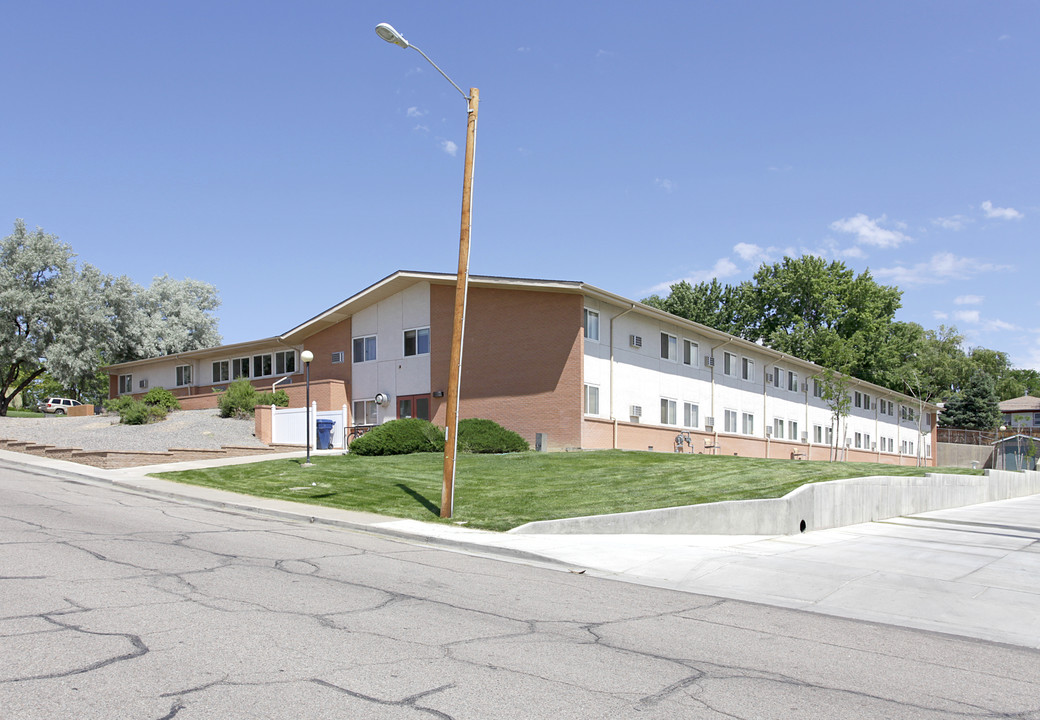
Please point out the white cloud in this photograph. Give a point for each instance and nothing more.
(954, 222)
(869, 231)
(723, 268)
(967, 300)
(967, 316)
(940, 315)
(1001, 213)
(941, 268)
(665, 184)
(523, 49)
(414, 112)
(749, 252)
(421, 128)
(449, 147)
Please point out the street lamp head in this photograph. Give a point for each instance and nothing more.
(387, 32)
(306, 356)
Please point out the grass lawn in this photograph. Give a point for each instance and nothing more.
(498, 492)
(24, 414)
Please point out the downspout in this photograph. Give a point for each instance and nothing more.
(715, 427)
(613, 418)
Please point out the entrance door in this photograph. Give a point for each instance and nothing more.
(413, 406)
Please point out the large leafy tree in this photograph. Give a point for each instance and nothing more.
(67, 323)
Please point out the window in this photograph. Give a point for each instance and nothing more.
(183, 375)
(858, 402)
(667, 411)
(748, 424)
(778, 428)
(669, 347)
(817, 434)
(728, 362)
(591, 400)
(1036, 418)
(792, 429)
(866, 441)
(859, 440)
(262, 365)
(830, 435)
(239, 368)
(126, 384)
(416, 342)
(792, 381)
(364, 412)
(221, 370)
(365, 349)
(691, 415)
(747, 369)
(817, 388)
(778, 377)
(413, 406)
(866, 401)
(337, 357)
(591, 325)
(690, 350)
(910, 447)
(285, 362)
(731, 421)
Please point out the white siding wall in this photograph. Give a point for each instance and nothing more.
(392, 373)
(642, 378)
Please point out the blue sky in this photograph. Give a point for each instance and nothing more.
(286, 154)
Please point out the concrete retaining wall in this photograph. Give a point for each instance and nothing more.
(811, 507)
(958, 455)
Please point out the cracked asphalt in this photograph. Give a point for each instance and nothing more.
(119, 605)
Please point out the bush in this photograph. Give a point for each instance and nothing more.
(400, 437)
(137, 412)
(161, 397)
(118, 404)
(239, 400)
(278, 397)
(487, 436)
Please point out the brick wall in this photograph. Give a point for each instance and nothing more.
(522, 360)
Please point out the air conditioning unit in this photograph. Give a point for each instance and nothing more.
(143, 384)
(769, 431)
(709, 361)
(709, 422)
(636, 411)
(805, 437)
(805, 387)
(337, 357)
(635, 341)
(769, 378)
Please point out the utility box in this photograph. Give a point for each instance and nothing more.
(541, 442)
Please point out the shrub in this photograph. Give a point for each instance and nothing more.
(487, 436)
(278, 397)
(161, 397)
(137, 412)
(239, 400)
(118, 404)
(400, 437)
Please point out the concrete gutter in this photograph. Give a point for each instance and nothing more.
(819, 506)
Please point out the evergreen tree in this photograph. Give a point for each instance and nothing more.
(976, 406)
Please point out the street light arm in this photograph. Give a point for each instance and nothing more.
(388, 33)
(440, 71)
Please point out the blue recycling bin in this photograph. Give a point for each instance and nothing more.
(325, 433)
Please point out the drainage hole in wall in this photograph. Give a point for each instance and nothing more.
(801, 526)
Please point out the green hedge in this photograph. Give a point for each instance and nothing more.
(241, 399)
(487, 436)
(402, 437)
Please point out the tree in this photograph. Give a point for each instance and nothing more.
(976, 406)
(834, 390)
(723, 307)
(68, 323)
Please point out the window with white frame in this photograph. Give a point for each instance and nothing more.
(778, 377)
(778, 428)
(364, 349)
(748, 424)
(591, 400)
(263, 365)
(417, 342)
(690, 350)
(729, 361)
(792, 429)
(830, 435)
(792, 381)
(858, 402)
(221, 371)
(866, 441)
(365, 412)
(731, 421)
(669, 347)
(183, 375)
(285, 362)
(591, 325)
(866, 401)
(667, 411)
(691, 415)
(126, 384)
(239, 368)
(747, 369)
(910, 447)
(817, 434)
(859, 440)
(817, 388)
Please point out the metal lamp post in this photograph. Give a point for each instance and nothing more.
(388, 33)
(307, 356)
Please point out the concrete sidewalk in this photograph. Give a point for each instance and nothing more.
(972, 571)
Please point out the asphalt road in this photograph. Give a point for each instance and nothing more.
(116, 605)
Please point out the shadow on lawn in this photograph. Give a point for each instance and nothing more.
(421, 499)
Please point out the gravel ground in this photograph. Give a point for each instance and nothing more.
(195, 429)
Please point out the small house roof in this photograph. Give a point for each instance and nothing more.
(1026, 403)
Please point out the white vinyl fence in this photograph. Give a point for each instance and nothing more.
(289, 425)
